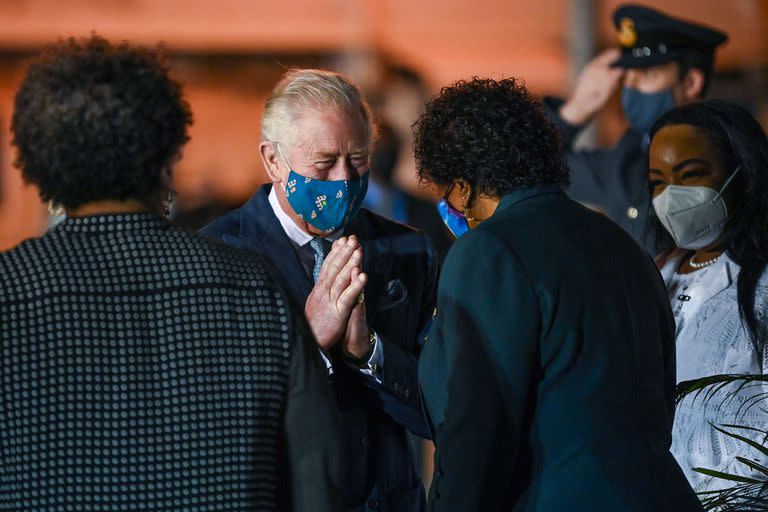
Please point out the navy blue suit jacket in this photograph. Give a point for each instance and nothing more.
(400, 300)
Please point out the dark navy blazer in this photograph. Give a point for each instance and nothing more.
(400, 300)
(550, 370)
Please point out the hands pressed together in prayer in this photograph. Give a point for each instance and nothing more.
(335, 309)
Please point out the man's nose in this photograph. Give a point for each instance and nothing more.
(344, 170)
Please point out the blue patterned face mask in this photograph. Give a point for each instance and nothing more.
(325, 205)
(453, 218)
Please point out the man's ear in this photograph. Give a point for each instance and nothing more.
(271, 160)
(692, 85)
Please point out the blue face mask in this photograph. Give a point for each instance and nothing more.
(643, 109)
(453, 218)
(325, 205)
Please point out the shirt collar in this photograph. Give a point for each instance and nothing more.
(721, 274)
(298, 236)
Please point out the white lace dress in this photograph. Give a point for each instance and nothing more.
(712, 339)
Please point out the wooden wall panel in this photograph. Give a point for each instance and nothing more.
(22, 214)
(222, 158)
(228, 25)
(458, 38)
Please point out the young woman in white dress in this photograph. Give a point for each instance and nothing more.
(708, 170)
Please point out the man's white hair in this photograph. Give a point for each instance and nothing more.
(302, 88)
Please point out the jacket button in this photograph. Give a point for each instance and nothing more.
(397, 387)
(407, 393)
(632, 212)
(373, 504)
(364, 441)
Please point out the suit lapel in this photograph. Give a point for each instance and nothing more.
(362, 231)
(261, 231)
(377, 262)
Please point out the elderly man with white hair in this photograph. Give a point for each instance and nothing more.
(367, 284)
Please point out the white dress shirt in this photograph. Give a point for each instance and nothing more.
(300, 240)
(712, 339)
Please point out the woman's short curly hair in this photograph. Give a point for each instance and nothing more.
(97, 121)
(494, 134)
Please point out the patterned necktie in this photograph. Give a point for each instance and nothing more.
(320, 248)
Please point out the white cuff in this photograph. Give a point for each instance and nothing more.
(327, 361)
(376, 361)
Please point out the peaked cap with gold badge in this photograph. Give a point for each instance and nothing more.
(651, 38)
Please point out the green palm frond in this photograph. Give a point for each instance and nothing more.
(754, 466)
(713, 384)
(740, 498)
(745, 493)
(727, 476)
(754, 444)
(764, 433)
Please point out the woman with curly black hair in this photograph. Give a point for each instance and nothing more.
(549, 370)
(99, 127)
(141, 367)
(485, 146)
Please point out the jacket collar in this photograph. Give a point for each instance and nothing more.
(522, 193)
(110, 223)
(723, 274)
(260, 230)
(257, 218)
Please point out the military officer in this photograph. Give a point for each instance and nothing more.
(663, 62)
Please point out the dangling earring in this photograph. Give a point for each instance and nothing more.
(465, 213)
(54, 209)
(168, 203)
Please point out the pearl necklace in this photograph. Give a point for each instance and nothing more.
(703, 264)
